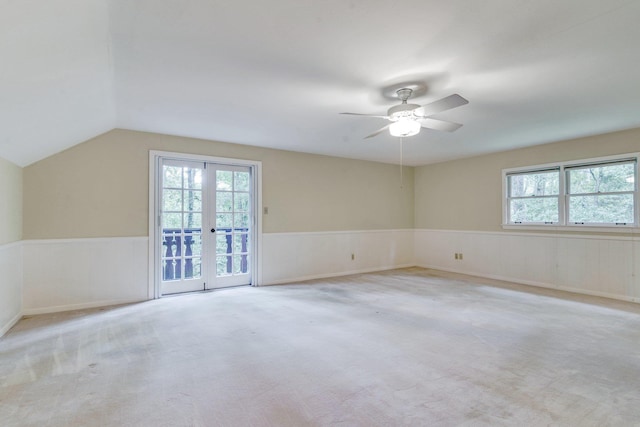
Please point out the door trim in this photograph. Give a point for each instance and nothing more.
(154, 200)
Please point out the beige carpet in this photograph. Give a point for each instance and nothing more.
(404, 347)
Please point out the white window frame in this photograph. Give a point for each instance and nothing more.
(563, 197)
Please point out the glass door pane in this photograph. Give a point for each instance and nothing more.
(181, 214)
(233, 222)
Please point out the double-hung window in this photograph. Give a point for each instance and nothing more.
(596, 192)
(534, 196)
(601, 193)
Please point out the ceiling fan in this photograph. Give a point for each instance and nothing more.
(407, 119)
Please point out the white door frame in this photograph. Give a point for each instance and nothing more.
(154, 222)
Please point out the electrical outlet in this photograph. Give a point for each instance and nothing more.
(460, 256)
(353, 257)
(265, 210)
(455, 255)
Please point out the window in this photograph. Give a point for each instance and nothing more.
(601, 194)
(534, 197)
(598, 192)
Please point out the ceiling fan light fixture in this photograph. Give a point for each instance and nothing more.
(407, 119)
(404, 127)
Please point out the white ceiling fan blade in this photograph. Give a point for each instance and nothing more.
(366, 115)
(447, 103)
(439, 125)
(379, 131)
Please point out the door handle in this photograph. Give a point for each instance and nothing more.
(213, 230)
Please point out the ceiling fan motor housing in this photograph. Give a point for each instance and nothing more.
(403, 110)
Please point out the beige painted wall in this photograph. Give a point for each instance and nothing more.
(10, 202)
(100, 188)
(467, 194)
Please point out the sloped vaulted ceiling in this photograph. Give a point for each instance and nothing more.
(56, 76)
(277, 73)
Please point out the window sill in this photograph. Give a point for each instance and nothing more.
(576, 228)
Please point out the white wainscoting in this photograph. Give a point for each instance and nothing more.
(68, 274)
(289, 257)
(42, 276)
(10, 285)
(602, 265)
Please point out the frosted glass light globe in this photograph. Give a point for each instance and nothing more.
(404, 127)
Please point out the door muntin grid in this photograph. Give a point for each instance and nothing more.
(233, 221)
(181, 218)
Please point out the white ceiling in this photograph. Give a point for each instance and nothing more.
(277, 73)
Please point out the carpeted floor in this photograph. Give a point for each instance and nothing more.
(403, 347)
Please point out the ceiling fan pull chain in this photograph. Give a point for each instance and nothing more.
(401, 180)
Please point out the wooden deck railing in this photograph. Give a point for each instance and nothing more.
(172, 242)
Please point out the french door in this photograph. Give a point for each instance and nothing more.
(206, 226)
(230, 221)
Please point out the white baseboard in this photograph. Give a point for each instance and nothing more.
(340, 274)
(82, 306)
(10, 324)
